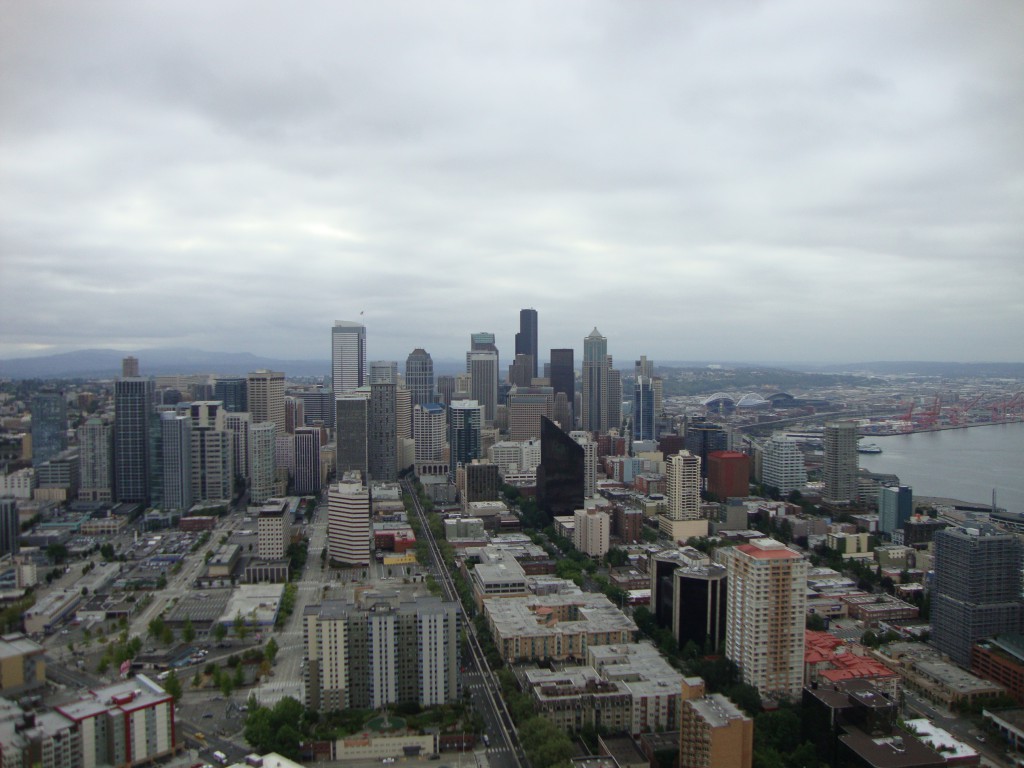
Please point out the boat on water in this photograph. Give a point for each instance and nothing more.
(868, 448)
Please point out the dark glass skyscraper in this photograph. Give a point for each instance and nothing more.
(644, 424)
(419, 377)
(563, 376)
(133, 406)
(231, 392)
(526, 339)
(49, 425)
(560, 475)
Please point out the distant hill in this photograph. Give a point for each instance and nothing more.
(929, 368)
(106, 363)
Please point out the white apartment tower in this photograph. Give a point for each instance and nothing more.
(348, 356)
(265, 392)
(682, 519)
(782, 465)
(582, 438)
(429, 428)
(348, 523)
(273, 531)
(766, 609)
(592, 531)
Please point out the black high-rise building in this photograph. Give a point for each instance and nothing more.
(231, 392)
(419, 376)
(133, 410)
(688, 597)
(560, 474)
(526, 339)
(703, 437)
(563, 375)
(10, 527)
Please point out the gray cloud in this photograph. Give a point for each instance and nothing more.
(743, 180)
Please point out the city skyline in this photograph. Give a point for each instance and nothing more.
(737, 182)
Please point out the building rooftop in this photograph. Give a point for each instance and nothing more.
(716, 710)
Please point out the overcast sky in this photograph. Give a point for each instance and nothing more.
(738, 180)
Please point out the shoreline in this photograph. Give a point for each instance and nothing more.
(943, 428)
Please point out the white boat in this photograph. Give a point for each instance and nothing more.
(868, 448)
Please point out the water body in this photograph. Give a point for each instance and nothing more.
(964, 464)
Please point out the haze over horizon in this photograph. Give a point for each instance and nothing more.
(738, 181)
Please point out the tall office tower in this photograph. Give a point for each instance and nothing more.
(465, 420)
(262, 464)
(130, 367)
(213, 464)
(10, 526)
(644, 417)
(767, 610)
(284, 455)
(563, 378)
(294, 414)
(307, 461)
(592, 531)
(445, 389)
(383, 372)
(589, 447)
(782, 465)
(659, 396)
(714, 732)
(728, 474)
(526, 339)
(155, 459)
(682, 518)
(231, 392)
(349, 539)
(643, 367)
(613, 406)
(463, 386)
(977, 589)
(176, 442)
(318, 407)
(520, 373)
(265, 392)
(688, 597)
(594, 410)
(49, 425)
(895, 507)
(133, 405)
(419, 376)
(702, 437)
(352, 424)
(405, 448)
(375, 654)
(841, 462)
(561, 474)
(96, 455)
(561, 411)
(526, 406)
(482, 368)
(348, 356)
(238, 425)
(482, 342)
(429, 428)
(382, 433)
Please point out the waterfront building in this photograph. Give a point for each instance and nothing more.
(348, 356)
(895, 507)
(841, 462)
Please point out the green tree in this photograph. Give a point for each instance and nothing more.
(270, 652)
(219, 632)
(173, 686)
(188, 632)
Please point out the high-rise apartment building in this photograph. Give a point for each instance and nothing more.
(96, 460)
(561, 474)
(262, 462)
(349, 538)
(10, 526)
(589, 447)
(682, 518)
(563, 380)
(352, 428)
(782, 465)
(613, 405)
(213, 463)
(133, 407)
(348, 356)
(265, 393)
(49, 425)
(594, 405)
(841, 462)
(526, 339)
(895, 507)
(419, 376)
(176, 444)
(382, 433)
(714, 732)
(526, 406)
(482, 368)
(766, 613)
(592, 531)
(238, 426)
(307, 460)
(429, 430)
(273, 530)
(294, 413)
(688, 596)
(977, 588)
(465, 420)
(232, 392)
(393, 651)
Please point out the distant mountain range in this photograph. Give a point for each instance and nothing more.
(106, 363)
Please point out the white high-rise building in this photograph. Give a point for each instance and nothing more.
(265, 393)
(213, 466)
(262, 465)
(582, 438)
(273, 531)
(482, 368)
(515, 457)
(239, 424)
(682, 519)
(349, 539)
(841, 462)
(592, 531)
(348, 356)
(176, 446)
(429, 428)
(782, 465)
(96, 456)
(766, 611)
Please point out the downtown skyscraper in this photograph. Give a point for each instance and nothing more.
(348, 356)
(526, 339)
(419, 377)
(601, 406)
(133, 406)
